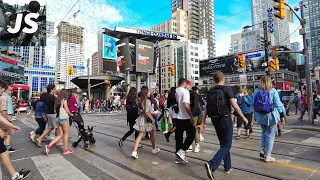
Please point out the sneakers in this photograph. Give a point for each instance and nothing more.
(196, 148)
(167, 135)
(134, 155)
(228, 171)
(190, 149)
(120, 143)
(48, 147)
(155, 150)
(237, 137)
(179, 161)
(32, 136)
(67, 151)
(165, 132)
(279, 132)
(12, 150)
(262, 154)
(247, 137)
(182, 155)
(210, 170)
(269, 159)
(21, 175)
(201, 138)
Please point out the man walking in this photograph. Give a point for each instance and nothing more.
(184, 120)
(220, 99)
(7, 112)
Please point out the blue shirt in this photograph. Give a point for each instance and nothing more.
(10, 110)
(245, 104)
(273, 117)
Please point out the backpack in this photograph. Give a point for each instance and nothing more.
(262, 102)
(40, 107)
(162, 101)
(195, 104)
(132, 108)
(216, 103)
(172, 101)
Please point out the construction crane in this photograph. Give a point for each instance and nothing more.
(74, 16)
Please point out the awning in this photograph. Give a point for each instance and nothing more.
(82, 81)
(20, 86)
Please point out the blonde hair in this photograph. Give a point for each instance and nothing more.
(265, 83)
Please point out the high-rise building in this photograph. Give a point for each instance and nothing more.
(262, 10)
(248, 40)
(176, 25)
(295, 46)
(187, 56)
(70, 51)
(37, 72)
(312, 15)
(95, 64)
(200, 21)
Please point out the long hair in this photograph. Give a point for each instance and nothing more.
(132, 95)
(171, 97)
(143, 98)
(265, 83)
(62, 94)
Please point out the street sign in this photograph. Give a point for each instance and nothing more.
(253, 55)
(78, 67)
(243, 79)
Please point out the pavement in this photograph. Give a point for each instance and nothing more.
(296, 152)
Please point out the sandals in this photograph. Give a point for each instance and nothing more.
(37, 143)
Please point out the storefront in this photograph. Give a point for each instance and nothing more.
(11, 70)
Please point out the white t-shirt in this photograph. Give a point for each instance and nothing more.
(182, 96)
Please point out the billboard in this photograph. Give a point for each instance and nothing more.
(23, 24)
(124, 55)
(109, 50)
(226, 64)
(144, 56)
(109, 65)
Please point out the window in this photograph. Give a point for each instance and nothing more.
(43, 57)
(196, 54)
(43, 83)
(16, 48)
(25, 54)
(36, 56)
(35, 83)
(191, 53)
(196, 72)
(26, 78)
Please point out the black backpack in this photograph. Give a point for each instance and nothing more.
(195, 103)
(172, 101)
(132, 108)
(216, 103)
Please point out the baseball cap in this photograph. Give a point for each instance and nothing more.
(188, 82)
(75, 91)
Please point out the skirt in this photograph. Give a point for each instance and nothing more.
(142, 125)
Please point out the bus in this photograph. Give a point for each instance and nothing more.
(21, 94)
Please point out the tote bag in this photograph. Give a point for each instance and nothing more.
(62, 112)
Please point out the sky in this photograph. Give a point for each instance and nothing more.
(97, 14)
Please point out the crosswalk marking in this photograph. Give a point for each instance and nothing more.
(313, 140)
(57, 167)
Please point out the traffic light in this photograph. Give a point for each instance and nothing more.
(172, 70)
(273, 65)
(281, 10)
(241, 62)
(106, 81)
(70, 70)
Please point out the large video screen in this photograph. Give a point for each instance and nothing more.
(109, 48)
(144, 56)
(124, 55)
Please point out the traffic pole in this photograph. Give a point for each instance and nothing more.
(265, 32)
(306, 63)
(89, 85)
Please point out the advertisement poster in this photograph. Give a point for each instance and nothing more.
(124, 55)
(109, 48)
(144, 56)
(226, 64)
(22, 23)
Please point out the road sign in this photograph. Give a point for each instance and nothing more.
(78, 67)
(243, 79)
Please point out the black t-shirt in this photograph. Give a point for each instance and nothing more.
(49, 101)
(229, 94)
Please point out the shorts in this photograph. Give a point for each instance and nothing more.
(61, 121)
(166, 113)
(3, 148)
(51, 121)
(7, 130)
(197, 120)
(239, 121)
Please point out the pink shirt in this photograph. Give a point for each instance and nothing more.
(73, 104)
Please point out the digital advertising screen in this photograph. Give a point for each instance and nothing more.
(109, 48)
(124, 55)
(144, 56)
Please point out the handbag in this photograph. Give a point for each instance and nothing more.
(62, 112)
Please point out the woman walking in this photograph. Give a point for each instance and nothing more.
(63, 113)
(132, 114)
(268, 111)
(145, 122)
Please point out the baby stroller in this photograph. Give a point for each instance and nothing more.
(84, 134)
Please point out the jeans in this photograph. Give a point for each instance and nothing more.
(224, 129)
(267, 138)
(316, 112)
(42, 126)
(181, 126)
(303, 112)
(156, 122)
(131, 124)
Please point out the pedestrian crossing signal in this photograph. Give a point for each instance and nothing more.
(172, 70)
(70, 70)
(241, 62)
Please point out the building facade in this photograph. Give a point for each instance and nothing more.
(248, 40)
(187, 56)
(262, 10)
(312, 15)
(37, 71)
(295, 46)
(70, 51)
(11, 69)
(200, 21)
(95, 66)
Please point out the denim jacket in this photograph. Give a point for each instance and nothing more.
(273, 117)
(245, 104)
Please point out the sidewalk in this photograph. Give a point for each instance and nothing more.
(294, 123)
